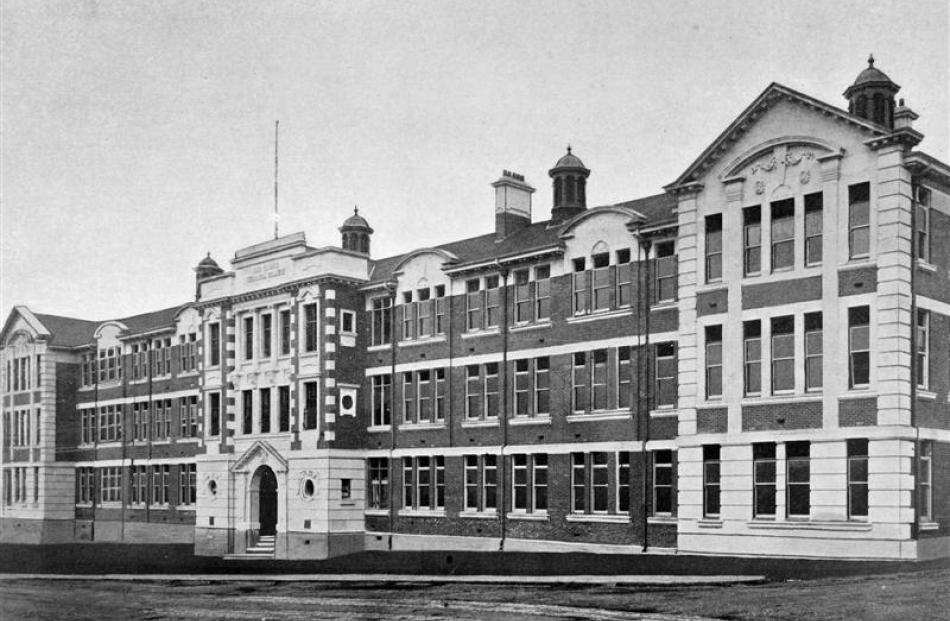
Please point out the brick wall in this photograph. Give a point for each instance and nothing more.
(774, 416)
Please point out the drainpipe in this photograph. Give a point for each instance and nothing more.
(123, 493)
(391, 288)
(449, 400)
(150, 474)
(645, 412)
(503, 272)
(914, 527)
(95, 441)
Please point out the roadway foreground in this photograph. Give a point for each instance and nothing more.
(918, 595)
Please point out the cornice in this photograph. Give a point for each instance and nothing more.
(905, 137)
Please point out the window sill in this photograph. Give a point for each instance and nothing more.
(267, 435)
(857, 263)
(926, 266)
(376, 512)
(537, 516)
(928, 526)
(806, 524)
(782, 270)
(421, 426)
(709, 522)
(524, 327)
(599, 415)
(712, 287)
(429, 340)
(541, 419)
(791, 397)
(601, 518)
(669, 412)
(378, 428)
(598, 314)
(664, 305)
(473, 334)
(479, 515)
(662, 519)
(188, 374)
(857, 393)
(479, 423)
(927, 395)
(383, 347)
(428, 513)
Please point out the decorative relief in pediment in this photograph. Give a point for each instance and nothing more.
(783, 165)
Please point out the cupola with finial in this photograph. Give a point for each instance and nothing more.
(356, 231)
(871, 96)
(569, 177)
(206, 268)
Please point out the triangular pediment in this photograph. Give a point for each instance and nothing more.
(22, 312)
(770, 96)
(260, 453)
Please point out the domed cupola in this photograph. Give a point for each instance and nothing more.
(570, 191)
(206, 268)
(356, 231)
(871, 96)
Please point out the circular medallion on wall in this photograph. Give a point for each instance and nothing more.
(308, 485)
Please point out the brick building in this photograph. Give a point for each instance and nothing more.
(755, 361)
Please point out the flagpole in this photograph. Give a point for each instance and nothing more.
(276, 220)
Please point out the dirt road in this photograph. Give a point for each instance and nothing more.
(919, 596)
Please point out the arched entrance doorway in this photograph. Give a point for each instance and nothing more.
(264, 500)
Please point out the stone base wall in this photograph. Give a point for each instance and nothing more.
(212, 541)
(23, 530)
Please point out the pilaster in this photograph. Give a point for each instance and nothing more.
(891, 355)
(687, 278)
(834, 337)
(732, 266)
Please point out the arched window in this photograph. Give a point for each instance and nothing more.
(557, 191)
(879, 113)
(861, 109)
(570, 189)
(581, 183)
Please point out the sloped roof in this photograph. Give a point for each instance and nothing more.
(147, 322)
(538, 235)
(658, 208)
(73, 332)
(68, 331)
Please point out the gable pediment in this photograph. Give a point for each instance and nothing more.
(258, 454)
(771, 97)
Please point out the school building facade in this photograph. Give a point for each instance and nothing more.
(755, 361)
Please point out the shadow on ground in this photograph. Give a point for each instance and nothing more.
(111, 558)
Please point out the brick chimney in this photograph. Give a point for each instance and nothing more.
(512, 204)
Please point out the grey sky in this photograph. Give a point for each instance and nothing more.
(136, 136)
